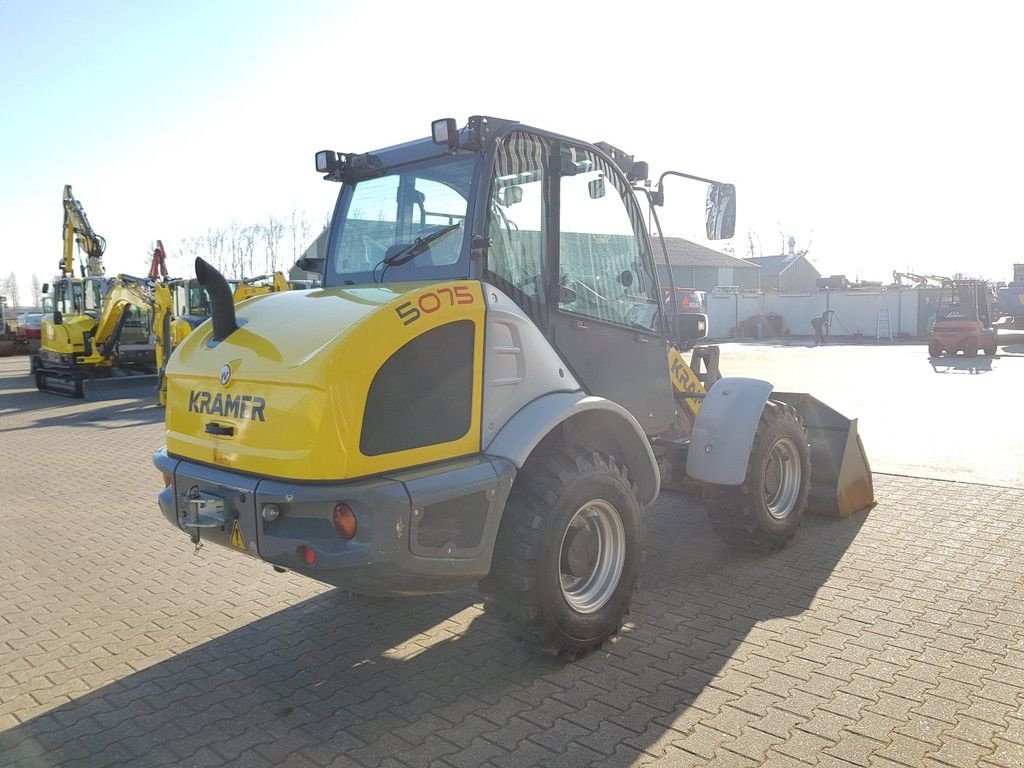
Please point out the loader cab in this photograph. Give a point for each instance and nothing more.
(552, 222)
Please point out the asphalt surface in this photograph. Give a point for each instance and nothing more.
(891, 638)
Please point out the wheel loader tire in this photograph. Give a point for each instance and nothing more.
(990, 350)
(934, 350)
(764, 512)
(568, 551)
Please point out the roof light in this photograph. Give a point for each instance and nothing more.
(326, 161)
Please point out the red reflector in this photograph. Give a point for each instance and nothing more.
(167, 478)
(344, 520)
(307, 554)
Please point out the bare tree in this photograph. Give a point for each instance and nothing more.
(9, 288)
(215, 245)
(248, 236)
(189, 248)
(299, 229)
(273, 234)
(37, 291)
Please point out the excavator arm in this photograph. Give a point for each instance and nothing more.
(78, 229)
(122, 293)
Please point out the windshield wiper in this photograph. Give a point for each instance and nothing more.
(422, 243)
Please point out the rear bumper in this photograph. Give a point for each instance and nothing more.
(419, 532)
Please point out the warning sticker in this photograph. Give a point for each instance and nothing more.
(236, 537)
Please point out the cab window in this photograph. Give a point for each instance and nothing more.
(515, 259)
(602, 261)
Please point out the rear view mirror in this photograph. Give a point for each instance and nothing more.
(46, 288)
(58, 318)
(596, 188)
(721, 211)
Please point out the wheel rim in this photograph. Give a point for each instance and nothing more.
(782, 478)
(592, 556)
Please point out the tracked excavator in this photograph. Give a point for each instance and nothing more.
(488, 388)
(95, 340)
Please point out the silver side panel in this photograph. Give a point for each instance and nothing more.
(519, 364)
(723, 433)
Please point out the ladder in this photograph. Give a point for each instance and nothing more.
(883, 328)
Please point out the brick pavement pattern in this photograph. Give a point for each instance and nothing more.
(892, 638)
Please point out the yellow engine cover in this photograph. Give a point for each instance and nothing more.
(286, 394)
(68, 338)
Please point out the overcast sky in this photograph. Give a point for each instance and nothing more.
(882, 136)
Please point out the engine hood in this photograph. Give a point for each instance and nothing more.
(285, 395)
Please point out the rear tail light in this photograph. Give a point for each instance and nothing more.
(168, 478)
(344, 520)
(307, 554)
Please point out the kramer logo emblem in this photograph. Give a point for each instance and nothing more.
(225, 375)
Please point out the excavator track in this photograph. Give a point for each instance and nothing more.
(76, 384)
(58, 382)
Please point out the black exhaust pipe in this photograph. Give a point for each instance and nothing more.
(222, 305)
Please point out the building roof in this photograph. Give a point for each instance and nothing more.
(683, 253)
(772, 266)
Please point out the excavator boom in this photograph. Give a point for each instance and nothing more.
(78, 229)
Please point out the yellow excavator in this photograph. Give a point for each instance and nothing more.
(248, 287)
(96, 341)
(96, 335)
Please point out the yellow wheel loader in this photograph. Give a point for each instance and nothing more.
(487, 388)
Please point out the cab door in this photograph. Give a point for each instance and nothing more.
(606, 319)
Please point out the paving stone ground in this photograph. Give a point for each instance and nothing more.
(892, 638)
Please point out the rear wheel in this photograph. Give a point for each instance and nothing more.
(934, 350)
(764, 512)
(990, 349)
(568, 551)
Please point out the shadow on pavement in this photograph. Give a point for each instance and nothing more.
(18, 395)
(957, 364)
(358, 679)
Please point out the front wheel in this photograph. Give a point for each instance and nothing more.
(764, 512)
(568, 551)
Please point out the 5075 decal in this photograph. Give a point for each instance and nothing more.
(431, 301)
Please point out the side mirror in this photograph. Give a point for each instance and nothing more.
(510, 196)
(721, 211)
(58, 318)
(46, 288)
(311, 264)
(689, 327)
(596, 188)
(445, 131)
(566, 295)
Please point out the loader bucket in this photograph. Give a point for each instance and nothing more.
(120, 387)
(840, 474)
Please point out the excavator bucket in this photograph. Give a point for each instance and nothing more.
(120, 387)
(840, 473)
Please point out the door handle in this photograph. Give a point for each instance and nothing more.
(579, 324)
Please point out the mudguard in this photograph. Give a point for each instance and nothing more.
(520, 435)
(723, 433)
